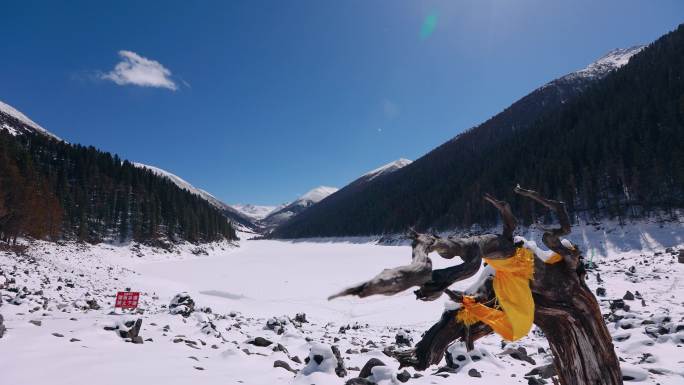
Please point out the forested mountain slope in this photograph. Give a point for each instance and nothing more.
(52, 189)
(610, 144)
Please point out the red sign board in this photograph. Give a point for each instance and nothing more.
(127, 299)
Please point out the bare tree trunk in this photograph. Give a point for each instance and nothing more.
(571, 320)
(565, 309)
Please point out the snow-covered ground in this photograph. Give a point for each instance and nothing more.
(56, 335)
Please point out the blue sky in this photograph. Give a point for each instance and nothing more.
(263, 100)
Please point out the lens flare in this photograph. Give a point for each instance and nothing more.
(429, 25)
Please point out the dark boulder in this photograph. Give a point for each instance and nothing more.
(366, 370)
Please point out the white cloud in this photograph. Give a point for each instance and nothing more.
(140, 71)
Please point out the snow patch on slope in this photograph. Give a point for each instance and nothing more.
(316, 195)
(607, 63)
(18, 115)
(386, 169)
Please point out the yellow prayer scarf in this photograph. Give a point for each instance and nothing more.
(513, 296)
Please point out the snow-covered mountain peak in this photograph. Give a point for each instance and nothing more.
(607, 63)
(256, 212)
(318, 194)
(18, 115)
(387, 168)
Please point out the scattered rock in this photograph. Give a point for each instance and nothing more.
(74, 340)
(182, 304)
(322, 358)
(58, 335)
(628, 296)
(680, 258)
(92, 304)
(519, 354)
(284, 365)
(404, 376)
(339, 369)
(403, 338)
(260, 341)
(366, 370)
(617, 304)
(36, 322)
(301, 318)
(600, 292)
(130, 329)
(276, 324)
(358, 381)
(474, 373)
(545, 371)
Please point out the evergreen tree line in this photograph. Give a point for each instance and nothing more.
(55, 190)
(614, 151)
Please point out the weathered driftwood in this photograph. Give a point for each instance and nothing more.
(565, 309)
(398, 279)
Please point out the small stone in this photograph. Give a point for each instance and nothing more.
(36, 322)
(366, 370)
(74, 340)
(260, 341)
(474, 373)
(339, 369)
(628, 296)
(403, 338)
(535, 381)
(58, 335)
(600, 291)
(198, 367)
(404, 376)
(284, 365)
(545, 371)
(358, 381)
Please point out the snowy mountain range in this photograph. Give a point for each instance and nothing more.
(418, 189)
(280, 215)
(247, 216)
(256, 212)
(230, 212)
(16, 123)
